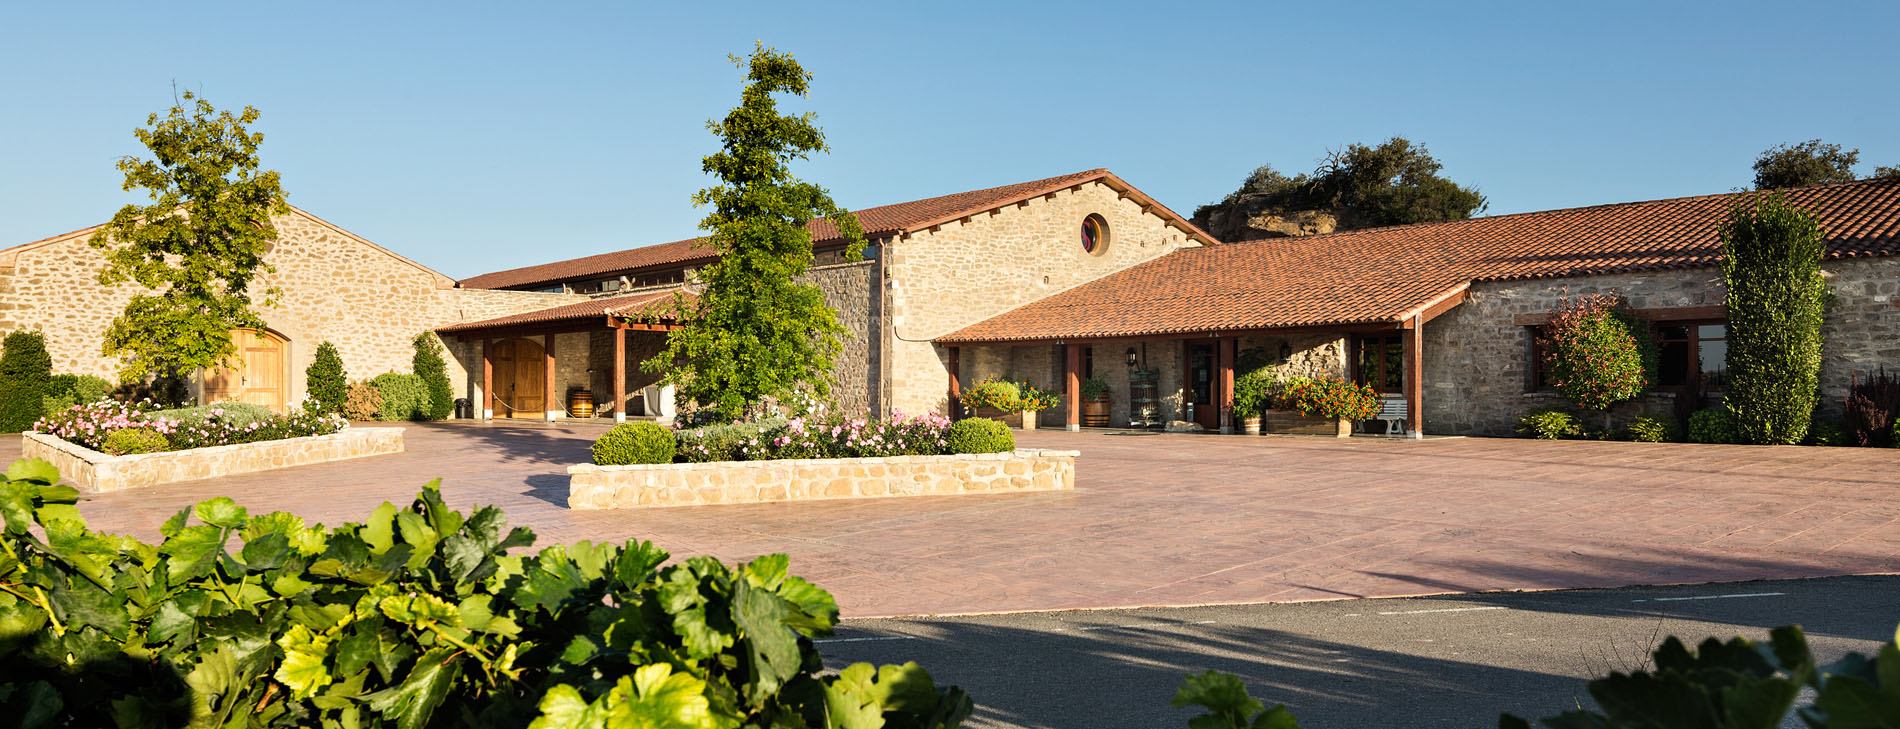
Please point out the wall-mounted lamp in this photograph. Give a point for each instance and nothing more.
(1131, 358)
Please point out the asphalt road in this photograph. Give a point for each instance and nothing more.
(1453, 661)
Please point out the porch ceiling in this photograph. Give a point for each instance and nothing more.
(584, 314)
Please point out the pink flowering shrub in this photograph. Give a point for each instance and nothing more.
(90, 424)
(818, 436)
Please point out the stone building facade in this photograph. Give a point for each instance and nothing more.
(333, 286)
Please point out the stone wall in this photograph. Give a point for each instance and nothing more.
(966, 272)
(335, 287)
(749, 482)
(848, 289)
(1476, 357)
(95, 472)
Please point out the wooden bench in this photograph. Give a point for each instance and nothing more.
(1392, 411)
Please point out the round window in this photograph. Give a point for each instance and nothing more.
(1094, 235)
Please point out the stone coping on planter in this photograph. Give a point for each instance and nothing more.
(95, 472)
(751, 482)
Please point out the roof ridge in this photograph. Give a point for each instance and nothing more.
(1575, 209)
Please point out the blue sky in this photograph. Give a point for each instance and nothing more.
(481, 136)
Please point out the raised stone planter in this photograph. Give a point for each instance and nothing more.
(1287, 422)
(751, 482)
(94, 472)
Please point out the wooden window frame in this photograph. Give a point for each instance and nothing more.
(1393, 341)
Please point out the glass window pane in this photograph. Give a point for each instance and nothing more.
(1714, 356)
(1672, 332)
(1394, 366)
(1712, 331)
(1674, 365)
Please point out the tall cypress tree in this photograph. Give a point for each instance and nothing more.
(755, 331)
(326, 381)
(1771, 260)
(428, 363)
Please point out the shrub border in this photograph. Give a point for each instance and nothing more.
(95, 472)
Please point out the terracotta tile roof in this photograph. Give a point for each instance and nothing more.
(878, 222)
(1382, 275)
(651, 302)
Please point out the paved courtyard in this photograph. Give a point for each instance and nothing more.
(1186, 519)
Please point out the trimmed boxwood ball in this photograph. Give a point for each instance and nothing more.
(980, 435)
(631, 443)
(1714, 425)
(127, 441)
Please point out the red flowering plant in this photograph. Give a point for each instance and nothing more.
(1329, 397)
(1596, 352)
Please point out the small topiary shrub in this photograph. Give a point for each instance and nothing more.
(26, 373)
(134, 440)
(440, 395)
(980, 435)
(65, 391)
(1549, 424)
(631, 443)
(1646, 429)
(328, 383)
(404, 397)
(1714, 425)
(364, 401)
(1825, 432)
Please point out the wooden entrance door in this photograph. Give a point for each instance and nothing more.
(1200, 382)
(520, 379)
(256, 374)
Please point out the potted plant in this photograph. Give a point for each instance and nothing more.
(1031, 400)
(1095, 402)
(1329, 405)
(1002, 399)
(1251, 396)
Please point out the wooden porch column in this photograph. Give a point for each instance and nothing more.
(1224, 384)
(1072, 386)
(548, 398)
(620, 375)
(488, 382)
(1414, 378)
(1187, 384)
(953, 406)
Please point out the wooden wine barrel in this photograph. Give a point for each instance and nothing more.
(1143, 408)
(580, 404)
(1095, 412)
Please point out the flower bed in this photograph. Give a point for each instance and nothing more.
(94, 425)
(93, 471)
(728, 482)
(814, 437)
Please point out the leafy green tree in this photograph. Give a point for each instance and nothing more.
(754, 331)
(1771, 261)
(1597, 353)
(1812, 162)
(197, 247)
(1394, 183)
(434, 372)
(26, 375)
(326, 381)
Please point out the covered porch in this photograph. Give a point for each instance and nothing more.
(578, 361)
(1156, 379)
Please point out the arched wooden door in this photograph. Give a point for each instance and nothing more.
(519, 378)
(256, 375)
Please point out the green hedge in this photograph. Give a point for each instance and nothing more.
(980, 435)
(65, 391)
(419, 616)
(1714, 425)
(404, 397)
(26, 374)
(326, 381)
(428, 364)
(630, 443)
(1771, 263)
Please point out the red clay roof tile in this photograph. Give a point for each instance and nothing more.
(624, 306)
(1383, 274)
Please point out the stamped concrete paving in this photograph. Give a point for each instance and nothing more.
(1188, 519)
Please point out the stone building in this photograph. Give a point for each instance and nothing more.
(334, 286)
(1052, 281)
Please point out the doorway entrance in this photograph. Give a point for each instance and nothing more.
(1200, 382)
(255, 375)
(520, 379)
